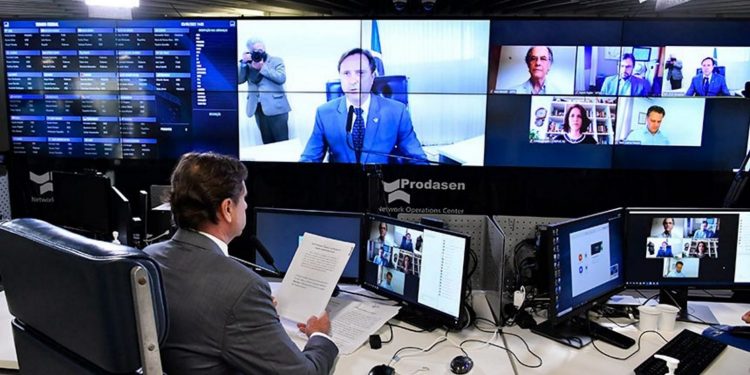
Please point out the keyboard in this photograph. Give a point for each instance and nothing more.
(694, 351)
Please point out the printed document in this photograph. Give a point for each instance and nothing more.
(316, 268)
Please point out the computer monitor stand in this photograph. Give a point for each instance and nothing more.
(689, 312)
(579, 332)
(417, 318)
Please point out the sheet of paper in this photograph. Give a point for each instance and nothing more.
(353, 322)
(315, 269)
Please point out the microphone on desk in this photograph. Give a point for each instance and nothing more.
(255, 266)
(260, 248)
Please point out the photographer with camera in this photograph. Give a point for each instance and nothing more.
(674, 72)
(266, 99)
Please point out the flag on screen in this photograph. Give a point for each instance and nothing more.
(377, 52)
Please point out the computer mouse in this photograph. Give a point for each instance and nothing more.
(382, 370)
(461, 364)
(740, 331)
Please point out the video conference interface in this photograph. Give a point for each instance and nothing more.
(417, 265)
(690, 248)
(587, 260)
(516, 92)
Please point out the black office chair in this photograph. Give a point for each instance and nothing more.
(391, 87)
(81, 306)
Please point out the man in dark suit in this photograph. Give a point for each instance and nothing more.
(708, 83)
(221, 314)
(378, 125)
(266, 100)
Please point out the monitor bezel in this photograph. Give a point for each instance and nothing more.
(290, 211)
(550, 261)
(441, 317)
(690, 283)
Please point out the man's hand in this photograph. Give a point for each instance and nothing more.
(246, 57)
(257, 65)
(746, 317)
(320, 324)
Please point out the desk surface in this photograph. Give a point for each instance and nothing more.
(558, 359)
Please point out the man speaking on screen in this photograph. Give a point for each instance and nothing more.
(360, 127)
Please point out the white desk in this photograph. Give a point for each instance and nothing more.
(8, 359)
(560, 359)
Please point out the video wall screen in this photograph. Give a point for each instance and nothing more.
(431, 103)
(523, 93)
(120, 89)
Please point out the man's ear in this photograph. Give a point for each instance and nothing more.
(226, 209)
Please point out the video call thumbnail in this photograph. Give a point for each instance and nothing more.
(618, 71)
(705, 71)
(660, 121)
(572, 119)
(537, 70)
(419, 114)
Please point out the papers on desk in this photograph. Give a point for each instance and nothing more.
(352, 322)
(316, 268)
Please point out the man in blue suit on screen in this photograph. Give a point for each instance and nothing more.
(362, 127)
(626, 83)
(708, 83)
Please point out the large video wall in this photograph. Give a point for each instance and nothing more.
(637, 94)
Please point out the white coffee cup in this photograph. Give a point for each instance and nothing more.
(649, 317)
(668, 317)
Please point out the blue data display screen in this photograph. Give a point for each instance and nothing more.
(121, 89)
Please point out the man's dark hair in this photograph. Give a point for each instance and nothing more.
(549, 51)
(664, 222)
(359, 51)
(657, 109)
(200, 182)
(679, 262)
(713, 61)
(628, 56)
(705, 222)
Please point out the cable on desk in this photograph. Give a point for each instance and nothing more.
(390, 328)
(647, 298)
(621, 326)
(510, 351)
(406, 328)
(364, 295)
(439, 340)
(638, 348)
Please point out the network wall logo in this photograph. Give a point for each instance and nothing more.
(43, 182)
(396, 190)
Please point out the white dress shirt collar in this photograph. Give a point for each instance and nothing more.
(221, 244)
(365, 107)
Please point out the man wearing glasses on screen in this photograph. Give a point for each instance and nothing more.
(539, 59)
(626, 83)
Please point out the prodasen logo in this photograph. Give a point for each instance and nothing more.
(396, 189)
(44, 181)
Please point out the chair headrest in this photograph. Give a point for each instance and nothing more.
(77, 292)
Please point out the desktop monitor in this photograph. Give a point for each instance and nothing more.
(585, 259)
(281, 230)
(88, 204)
(422, 267)
(678, 249)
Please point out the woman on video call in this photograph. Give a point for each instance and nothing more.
(576, 124)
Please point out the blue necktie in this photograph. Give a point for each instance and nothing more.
(705, 86)
(358, 131)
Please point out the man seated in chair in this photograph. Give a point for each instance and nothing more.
(375, 124)
(222, 318)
